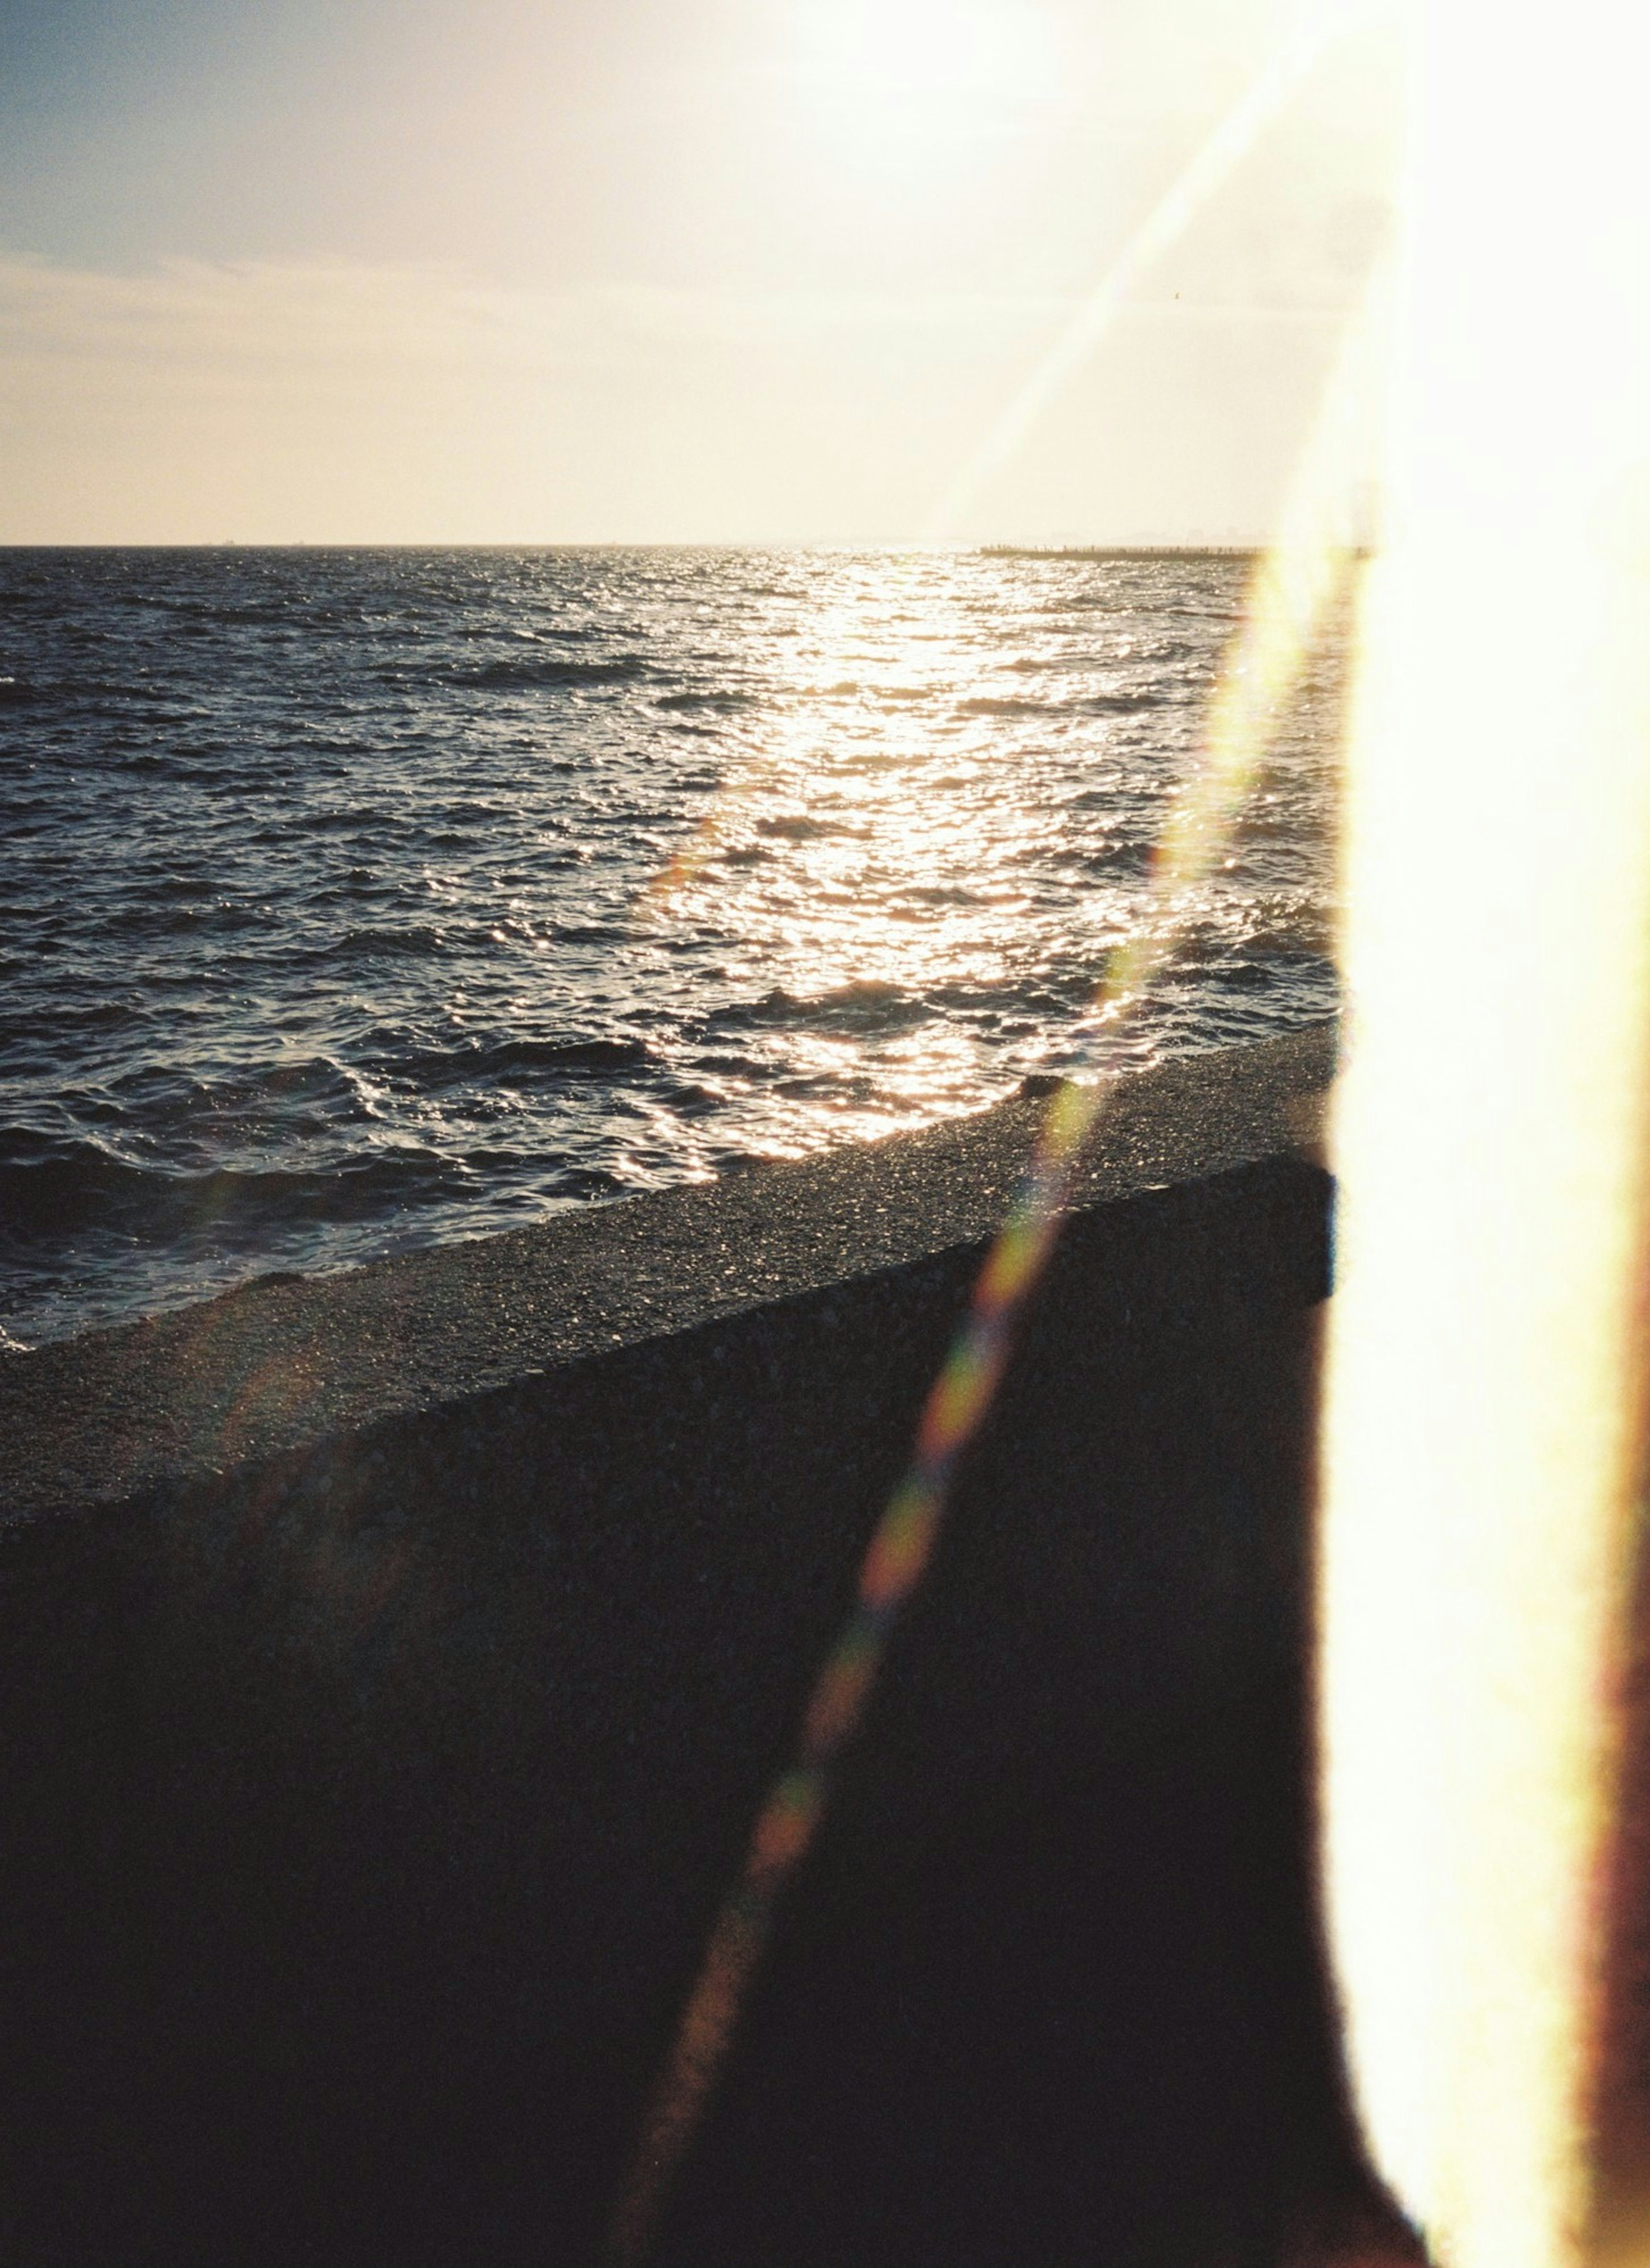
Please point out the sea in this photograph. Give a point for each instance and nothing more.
(355, 900)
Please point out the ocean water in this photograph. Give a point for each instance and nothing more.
(354, 900)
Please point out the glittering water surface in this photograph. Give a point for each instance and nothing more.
(354, 900)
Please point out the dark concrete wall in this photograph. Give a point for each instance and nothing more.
(370, 1797)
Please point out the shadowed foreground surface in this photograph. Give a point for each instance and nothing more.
(377, 1754)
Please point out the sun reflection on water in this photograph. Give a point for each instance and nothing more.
(890, 869)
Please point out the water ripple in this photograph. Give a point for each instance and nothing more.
(330, 915)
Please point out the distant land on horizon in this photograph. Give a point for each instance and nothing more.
(1120, 550)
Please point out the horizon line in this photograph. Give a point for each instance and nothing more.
(1145, 548)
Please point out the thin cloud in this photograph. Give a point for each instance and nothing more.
(331, 400)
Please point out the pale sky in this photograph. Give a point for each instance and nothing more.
(659, 271)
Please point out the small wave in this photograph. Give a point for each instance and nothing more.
(1282, 927)
(184, 1097)
(1002, 705)
(508, 1059)
(333, 821)
(869, 1005)
(72, 1018)
(49, 1189)
(465, 814)
(199, 615)
(223, 916)
(726, 699)
(945, 894)
(798, 827)
(145, 760)
(550, 674)
(1241, 976)
(1053, 1000)
(83, 1186)
(1127, 857)
(1129, 704)
(417, 939)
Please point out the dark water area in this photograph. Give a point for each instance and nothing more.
(356, 900)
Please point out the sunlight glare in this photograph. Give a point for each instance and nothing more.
(1294, 587)
(1483, 1431)
(1319, 25)
(915, 62)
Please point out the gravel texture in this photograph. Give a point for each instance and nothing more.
(286, 1361)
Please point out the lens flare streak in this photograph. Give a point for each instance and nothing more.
(1292, 589)
(1216, 159)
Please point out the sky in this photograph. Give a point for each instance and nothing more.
(664, 270)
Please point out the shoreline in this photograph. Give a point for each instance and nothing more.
(285, 1359)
